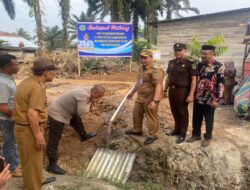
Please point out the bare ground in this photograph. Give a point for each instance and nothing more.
(225, 164)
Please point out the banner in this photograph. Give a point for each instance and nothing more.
(104, 39)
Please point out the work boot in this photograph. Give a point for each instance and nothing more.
(88, 136)
(149, 140)
(205, 142)
(180, 139)
(131, 132)
(173, 133)
(193, 138)
(55, 169)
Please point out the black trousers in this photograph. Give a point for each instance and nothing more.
(199, 112)
(55, 134)
(179, 108)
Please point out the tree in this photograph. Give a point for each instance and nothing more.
(82, 18)
(175, 6)
(21, 32)
(153, 9)
(99, 7)
(53, 37)
(9, 7)
(195, 46)
(65, 11)
(35, 7)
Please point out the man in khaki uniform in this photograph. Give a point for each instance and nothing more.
(30, 117)
(149, 94)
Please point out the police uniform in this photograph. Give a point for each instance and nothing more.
(147, 79)
(179, 82)
(30, 93)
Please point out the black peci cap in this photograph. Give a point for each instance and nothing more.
(208, 47)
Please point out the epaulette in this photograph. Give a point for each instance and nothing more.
(157, 66)
(192, 59)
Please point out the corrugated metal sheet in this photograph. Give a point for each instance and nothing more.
(113, 165)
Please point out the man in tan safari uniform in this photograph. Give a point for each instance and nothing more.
(30, 117)
(149, 94)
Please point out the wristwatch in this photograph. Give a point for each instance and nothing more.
(156, 101)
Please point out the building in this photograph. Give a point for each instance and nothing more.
(231, 24)
(23, 49)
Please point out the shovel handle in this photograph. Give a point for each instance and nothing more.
(119, 107)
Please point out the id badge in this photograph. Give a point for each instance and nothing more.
(141, 81)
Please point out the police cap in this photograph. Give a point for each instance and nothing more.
(179, 46)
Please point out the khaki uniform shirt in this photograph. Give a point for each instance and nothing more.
(180, 73)
(148, 78)
(70, 103)
(30, 93)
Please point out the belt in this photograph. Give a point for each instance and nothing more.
(40, 123)
(175, 86)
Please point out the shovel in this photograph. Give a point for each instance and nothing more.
(108, 164)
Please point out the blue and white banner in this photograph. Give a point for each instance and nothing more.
(104, 39)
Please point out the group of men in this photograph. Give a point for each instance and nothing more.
(24, 115)
(23, 109)
(186, 82)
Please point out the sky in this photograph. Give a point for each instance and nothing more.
(52, 12)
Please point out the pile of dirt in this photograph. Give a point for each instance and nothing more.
(67, 66)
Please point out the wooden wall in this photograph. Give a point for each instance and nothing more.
(232, 25)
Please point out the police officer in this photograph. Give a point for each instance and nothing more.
(181, 82)
(30, 116)
(149, 94)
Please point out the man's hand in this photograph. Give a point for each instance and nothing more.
(214, 104)
(40, 141)
(4, 176)
(130, 96)
(190, 99)
(152, 105)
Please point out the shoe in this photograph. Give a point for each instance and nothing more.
(49, 180)
(180, 139)
(205, 142)
(88, 136)
(55, 169)
(131, 132)
(17, 172)
(149, 140)
(193, 138)
(173, 133)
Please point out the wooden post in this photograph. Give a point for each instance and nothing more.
(130, 64)
(79, 65)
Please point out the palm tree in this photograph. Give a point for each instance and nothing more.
(52, 37)
(65, 13)
(175, 6)
(9, 7)
(153, 9)
(73, 23)
(21, 32)
(99, 7)
(138, 11)
(35, 7)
